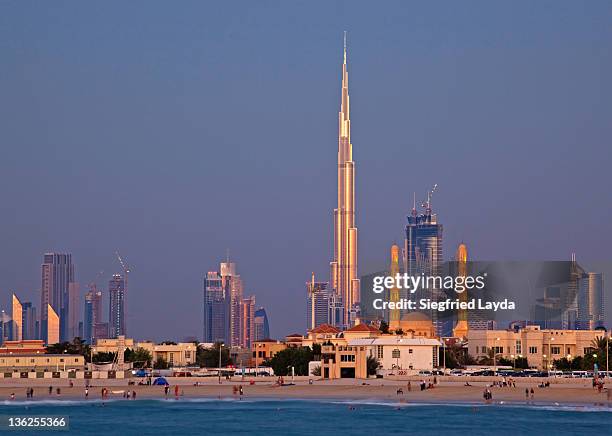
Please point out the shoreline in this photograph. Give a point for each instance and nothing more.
(376, 390)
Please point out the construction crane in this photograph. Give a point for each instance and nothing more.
(125, 268)
(92, 284)
(427, 203)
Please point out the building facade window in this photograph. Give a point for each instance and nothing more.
(395, 354)
(533, 350)
(379, 351)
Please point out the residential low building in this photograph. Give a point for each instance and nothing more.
(40, 362)
(540, 347)
(343, 361)
(264, 350)
(294, 340)
(406, 352)
(177, 355)
(107, 345)
(33, 346)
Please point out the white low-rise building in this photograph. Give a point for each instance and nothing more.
(402, 352)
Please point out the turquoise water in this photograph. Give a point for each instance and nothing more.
(307, 417)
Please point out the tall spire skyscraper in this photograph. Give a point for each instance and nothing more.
(344, 266)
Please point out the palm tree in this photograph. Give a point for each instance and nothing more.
(372, 365)
(599, 343)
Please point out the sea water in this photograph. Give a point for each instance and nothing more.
(308, 417)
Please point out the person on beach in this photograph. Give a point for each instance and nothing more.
(12, 395)
(241, 391)
(526, 393)
(86, 392)
(409, 386)
(531, 392)
(50, 390)
(166, 390)
(57, 391)
(133, 395)
(176, 392)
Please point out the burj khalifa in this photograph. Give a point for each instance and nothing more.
(344, 266)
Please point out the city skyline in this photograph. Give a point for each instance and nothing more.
(153, 143)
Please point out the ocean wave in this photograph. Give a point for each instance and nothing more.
(66, 402)
(555, 407)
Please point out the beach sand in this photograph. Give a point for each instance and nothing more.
(345, 389)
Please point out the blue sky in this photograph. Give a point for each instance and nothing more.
(175, 130)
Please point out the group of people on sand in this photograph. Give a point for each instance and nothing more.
(505, 383)
(176, 391)
(129, 394)
(426, 385)
(599, 384)
(487, 394)
(238, 390)
(58, 391)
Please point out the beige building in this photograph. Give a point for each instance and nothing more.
(343, 361)
(181, 354)
(30, 346)
(401, 352)
(177, 355)
(540, 347)
(265, 349)
(40, 362)
(111, 345)
(417, 324)
(344, 354)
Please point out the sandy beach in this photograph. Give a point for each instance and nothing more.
(375, 389)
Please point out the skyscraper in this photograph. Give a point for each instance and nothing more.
(92, 314)
(52, 326)
(423, 255)
(262, 328)
(318, 303)
(116, 315)
(233, 282)
(216, 326)
(17, 314)
(73, 313)
(57, 274)
(423, 243)
(29, 330)
(5, 327)
(344, 265)
(247, 323)
(590, 302)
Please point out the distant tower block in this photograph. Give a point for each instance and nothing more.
(394, 294)
(461, 329)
